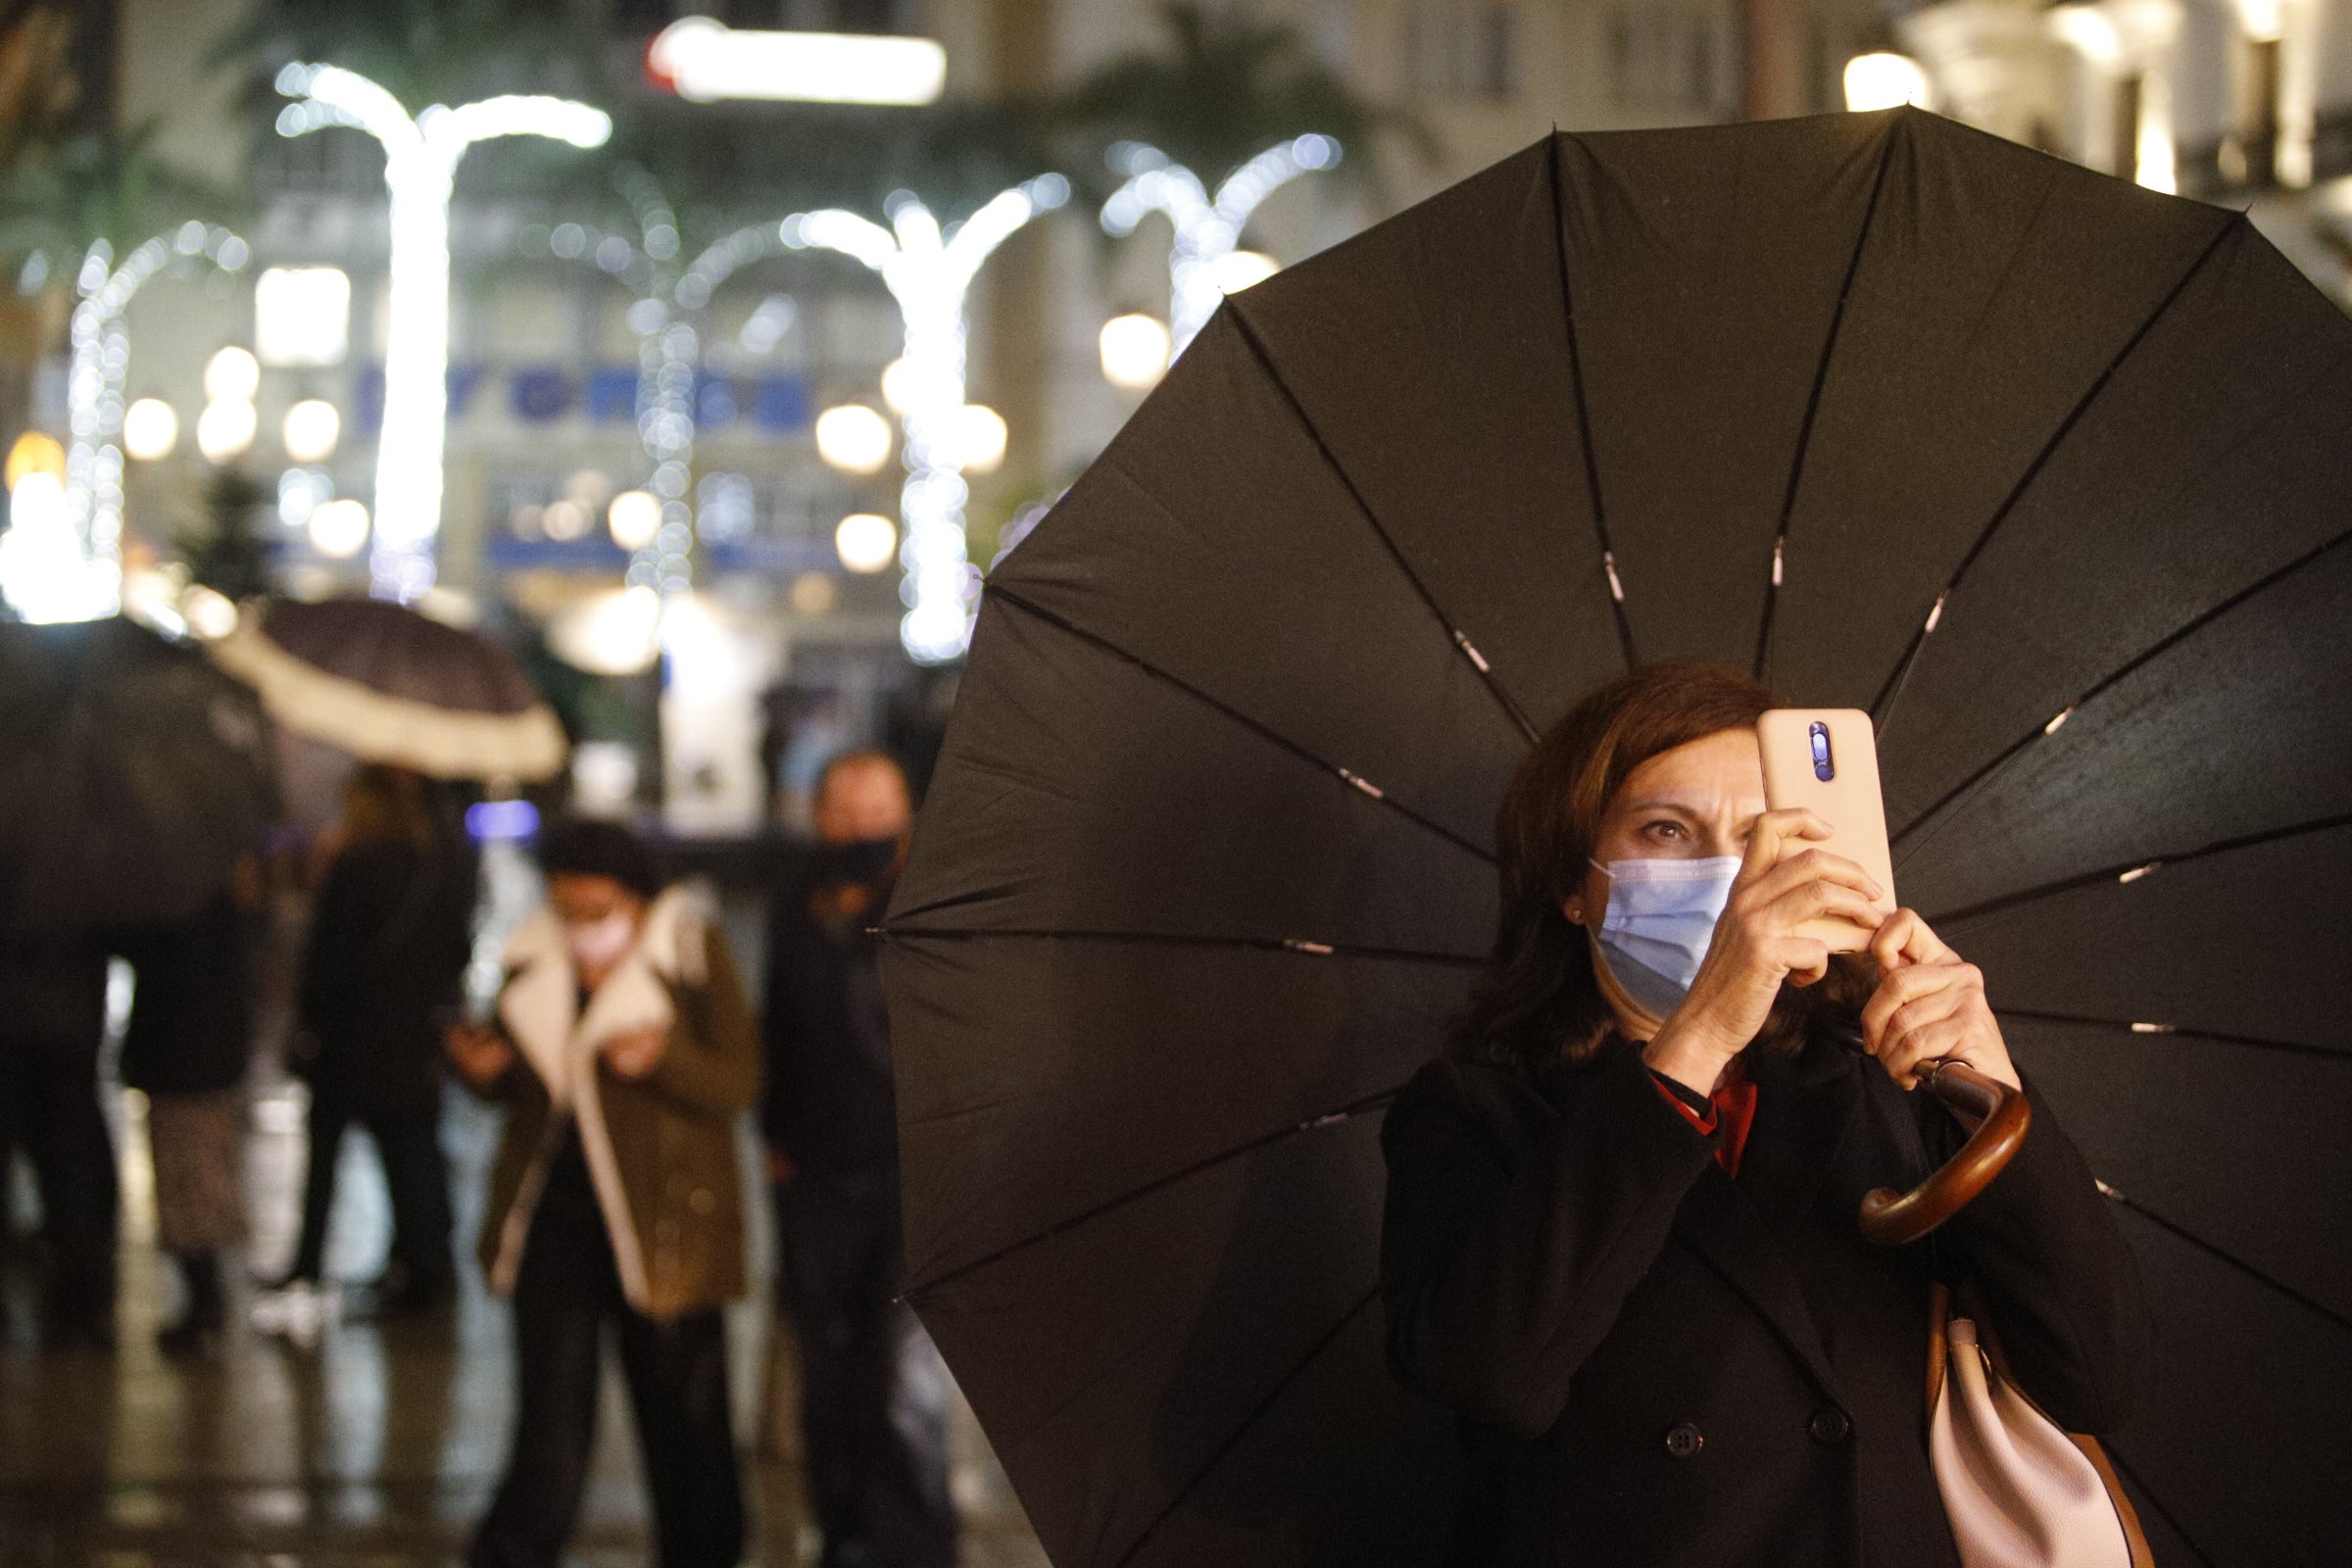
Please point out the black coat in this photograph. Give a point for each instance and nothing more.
(1653, 1363)
(191, 1017)
(830, 1104)
(390, 938)
(53, 992)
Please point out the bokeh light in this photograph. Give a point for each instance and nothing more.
(865, 541)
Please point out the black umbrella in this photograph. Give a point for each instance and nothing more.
(133, 775)
(389, 685)
(2047, 470)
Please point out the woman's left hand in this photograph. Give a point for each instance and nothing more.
(1929, 1004)
(633, 1055)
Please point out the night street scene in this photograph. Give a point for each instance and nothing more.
(1175, 783)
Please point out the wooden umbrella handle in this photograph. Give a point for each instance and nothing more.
(2001, 1116)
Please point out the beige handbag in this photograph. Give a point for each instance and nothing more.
(2019, 1491)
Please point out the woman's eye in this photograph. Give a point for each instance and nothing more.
(1665, 830)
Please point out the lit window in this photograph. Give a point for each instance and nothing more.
(302, 315)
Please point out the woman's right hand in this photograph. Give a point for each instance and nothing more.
(1783, 881)
(479, 1055)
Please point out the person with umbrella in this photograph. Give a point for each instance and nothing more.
(626, 1053)
(389, 942)
(1621, 1242)
(133, 777)
(2043, 471)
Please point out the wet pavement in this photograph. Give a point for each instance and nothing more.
(373, 1445)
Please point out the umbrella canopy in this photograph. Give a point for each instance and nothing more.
(2047, 470)
(389, 685)
(133, 775)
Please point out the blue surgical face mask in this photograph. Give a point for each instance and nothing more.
(1660, 922)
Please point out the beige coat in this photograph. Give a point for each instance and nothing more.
(662, 1148)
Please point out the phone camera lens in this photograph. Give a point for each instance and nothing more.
(1824, 768)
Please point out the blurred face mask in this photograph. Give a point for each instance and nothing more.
(1660, 924)
(865, 861)
(598, 944)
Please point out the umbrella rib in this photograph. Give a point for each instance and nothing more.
(1273, 1397)
(1983, 775)
(2156, 1503)
(2191, 1031)
(2311, 1305)
(2135, 870)
(1347, 776)
(1329, 1118)
(1363, 507)
(1583, 416)
(1882, 707)
(902, 932)
(1821, 377)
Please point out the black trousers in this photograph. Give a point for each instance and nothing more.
(566, 1292)
(51, 1082)
(408, 1143)
(873, 1394)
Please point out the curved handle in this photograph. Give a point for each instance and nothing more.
(2001, 1116)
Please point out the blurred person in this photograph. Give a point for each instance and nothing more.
(186, 1049)
(874, 1400)
(390, 938)
(51, 1024)
(624, 1050)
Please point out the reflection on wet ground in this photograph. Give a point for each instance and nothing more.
(375, 1445)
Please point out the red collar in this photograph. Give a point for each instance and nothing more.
(1732, 1107)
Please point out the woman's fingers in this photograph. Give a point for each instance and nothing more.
(1804, 866)
(1904, 1054)
(1900, 988)
(1811, 901)
(1803, 960)
(1903, 938)
(1768, 838)
(1929, 1007)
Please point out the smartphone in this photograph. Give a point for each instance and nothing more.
(1825, 759)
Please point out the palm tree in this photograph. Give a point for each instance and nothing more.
(57, 200)
(424, 51)
(1225, 89)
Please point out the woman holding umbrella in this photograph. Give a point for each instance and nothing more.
(1621, 1241)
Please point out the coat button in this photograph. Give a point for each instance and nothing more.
(703, 1200)
(1684, 1441)
(1829, 1425)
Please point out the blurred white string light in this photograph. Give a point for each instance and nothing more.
(420, 160)
(929, 273)
(666, 318)
(1207, 229)
(95, 407)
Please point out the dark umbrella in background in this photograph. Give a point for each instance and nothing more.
(2047, 470)
(390, 685)
(132, 776)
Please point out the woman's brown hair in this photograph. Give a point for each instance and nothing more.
(1536, 1000)
(386, 806)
